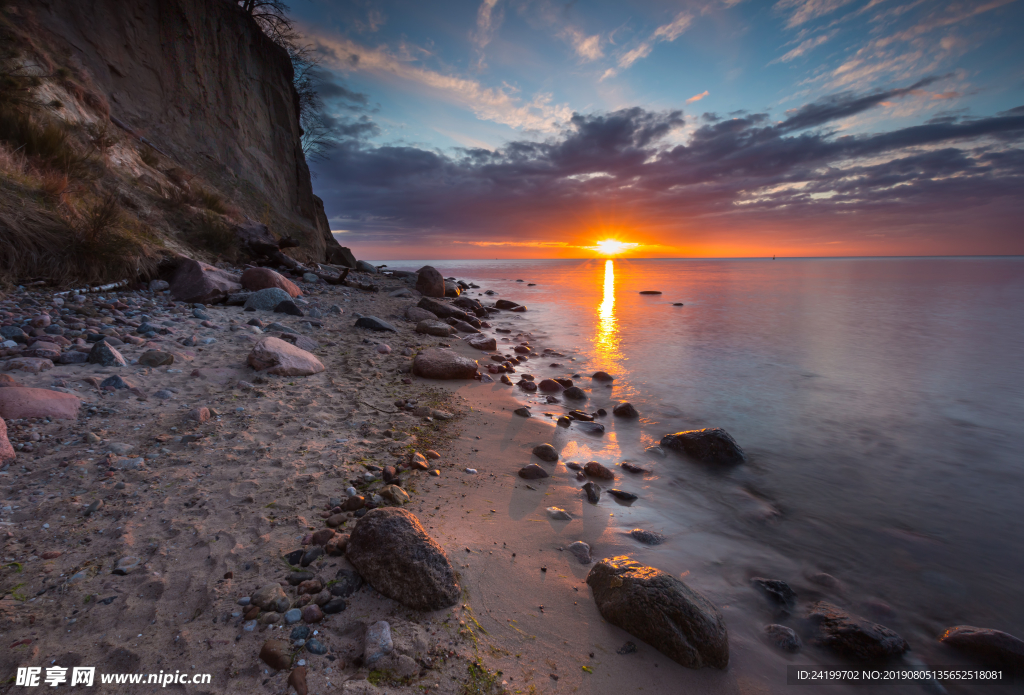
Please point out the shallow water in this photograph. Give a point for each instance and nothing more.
(879, 402)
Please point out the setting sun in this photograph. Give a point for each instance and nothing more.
(611, 247)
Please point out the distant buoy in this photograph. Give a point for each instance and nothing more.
(650, 291)
(678, 304)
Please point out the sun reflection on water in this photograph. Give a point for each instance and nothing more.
(607, 343)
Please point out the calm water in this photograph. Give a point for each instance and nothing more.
(880, 403)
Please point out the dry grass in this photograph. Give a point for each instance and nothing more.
(212, 201)
(54, 185)
(212, 234)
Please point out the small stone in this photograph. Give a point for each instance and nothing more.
(315, 646)
(297, 679)
(622, 495)
(596, 470)
(558, 514)
(582, 552)
(627, 648)
(199, 415)
(545, 452)
(378, 642)
(335, 605)
(647, 537)
(127, 564)
(626, 410)
(276, 653)
(602, 376)
(575, 393)
(777, 591)
(104, 354)
(312, 614)
(532, 472)
(522, 412)
(299, 632)
(310, 556)
(292, 616)
(782, 637)
(156, 358)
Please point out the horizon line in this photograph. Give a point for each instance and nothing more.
(707, 258)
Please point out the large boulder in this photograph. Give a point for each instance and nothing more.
(366, 267)
(852, 636)
(284, 359)
(993, 646)
(198, 283)
(20, 402)
(429, 282)
(33, 365)
(710, 445)
(663, 611)
(392, 551)
(256, 279)
(451, 288)
(439, 363)
(267, 299)
(6, 450)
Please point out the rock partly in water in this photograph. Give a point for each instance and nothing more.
(993, 646)
(677, 620)
(647, 537)
(545, 452)
(853, 636)
(596, 470)
(575, 393)
(283, 359)
(776, 590)
(625, 409)
(440, 363)
(392, 551)
(482, 342)
(782, 637)
(593, 491)
(430, 282)
(709, 445)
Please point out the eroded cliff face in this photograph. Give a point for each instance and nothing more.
(200, 81)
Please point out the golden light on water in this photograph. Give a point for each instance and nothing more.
(612, 247)
(607, 328)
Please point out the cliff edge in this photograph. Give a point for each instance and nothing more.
(178, 116)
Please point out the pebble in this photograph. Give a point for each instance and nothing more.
(582, 552)
(300, 632)
(648, 537)
(622, 495)
(292, 616)
(558, 514)
(471, 471)
(593, 492)
(315, 646)
(378, 642)
(127, 564)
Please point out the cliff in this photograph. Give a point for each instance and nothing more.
(181, 109)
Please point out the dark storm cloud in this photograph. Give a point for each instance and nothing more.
(624, 162)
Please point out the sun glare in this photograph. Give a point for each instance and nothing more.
(611, 247)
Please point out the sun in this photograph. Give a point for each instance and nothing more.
(612, 247)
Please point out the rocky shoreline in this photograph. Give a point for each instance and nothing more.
(296, 487)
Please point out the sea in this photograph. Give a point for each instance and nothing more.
(880, 403)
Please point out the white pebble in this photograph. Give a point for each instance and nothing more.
(471, 470)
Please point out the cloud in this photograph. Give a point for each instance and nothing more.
(697, 97)
(487, 103)
(586, 47)
(748, 169)
(665, 33)
(487, 23)
(802, 11)
(804, 47)
(844, 105)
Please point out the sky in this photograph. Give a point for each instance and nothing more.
(714, 128)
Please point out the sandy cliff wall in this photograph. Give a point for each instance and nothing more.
(199, 80)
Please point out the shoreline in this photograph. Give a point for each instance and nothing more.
(209, 509)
